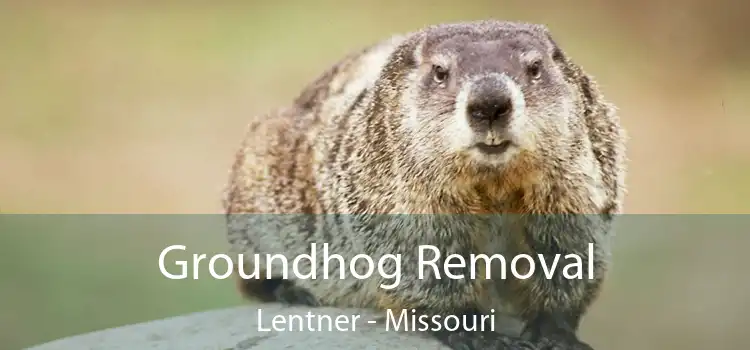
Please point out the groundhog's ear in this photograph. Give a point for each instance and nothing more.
(417, 50)
(578, 77)
(557, 53)
(574, 73)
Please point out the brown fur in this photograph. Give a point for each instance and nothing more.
(370, 135)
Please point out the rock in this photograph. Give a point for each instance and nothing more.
(243, 327)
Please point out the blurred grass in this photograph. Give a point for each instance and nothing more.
(137, 108)
(79, 273)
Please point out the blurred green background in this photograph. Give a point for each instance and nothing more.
(137, 107)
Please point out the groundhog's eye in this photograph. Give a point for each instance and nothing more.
(534, 69)
(439, 73)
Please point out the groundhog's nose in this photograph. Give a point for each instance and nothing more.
(490, 100)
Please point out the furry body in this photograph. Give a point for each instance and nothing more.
(373, 135)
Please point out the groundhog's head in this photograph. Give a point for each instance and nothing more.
(485, 92)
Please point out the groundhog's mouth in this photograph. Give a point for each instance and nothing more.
(494, 149)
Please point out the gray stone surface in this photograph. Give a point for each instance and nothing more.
(240, 328)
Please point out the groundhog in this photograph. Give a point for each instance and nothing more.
(486, 129)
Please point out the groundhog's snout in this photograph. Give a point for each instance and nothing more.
(490, 103)
(493, 102)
